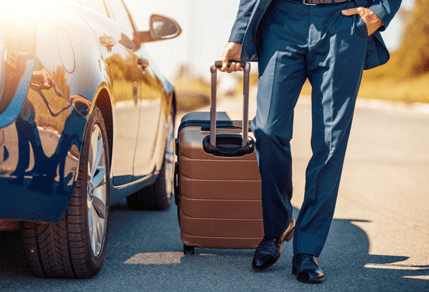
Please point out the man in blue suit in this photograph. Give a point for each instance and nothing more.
(330, 43)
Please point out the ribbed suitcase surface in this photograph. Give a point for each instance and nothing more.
(218, 188)
(220, 197)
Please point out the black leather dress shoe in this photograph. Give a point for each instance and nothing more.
(306, 269)
(269, 250)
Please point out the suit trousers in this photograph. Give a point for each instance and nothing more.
(318, 43)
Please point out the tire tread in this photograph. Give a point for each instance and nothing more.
(61, 250)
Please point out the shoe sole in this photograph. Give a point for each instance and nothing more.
(290, 235)
(305, 280)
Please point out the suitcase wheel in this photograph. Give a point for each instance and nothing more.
(188, 249)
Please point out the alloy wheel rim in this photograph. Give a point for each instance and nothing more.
(96, 191)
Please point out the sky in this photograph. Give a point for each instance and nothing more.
(206, 25)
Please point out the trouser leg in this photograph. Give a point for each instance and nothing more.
(281, 76)
(272, 127)
(334, 64)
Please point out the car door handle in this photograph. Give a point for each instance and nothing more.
(108, 42)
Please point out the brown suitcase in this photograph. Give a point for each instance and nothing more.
(218, 186)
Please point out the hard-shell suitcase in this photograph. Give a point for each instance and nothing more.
(218, 186)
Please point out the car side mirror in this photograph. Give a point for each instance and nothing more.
(161, 28)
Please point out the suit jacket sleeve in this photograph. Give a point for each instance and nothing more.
(243, 17)
(385, 9)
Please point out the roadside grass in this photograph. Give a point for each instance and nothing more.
(403, 89)
(191, 94)
(398, 89)
(194, 94)
(386, 83)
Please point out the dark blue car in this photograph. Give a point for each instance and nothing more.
(85, 121)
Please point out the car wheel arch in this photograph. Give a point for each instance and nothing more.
(104, 103)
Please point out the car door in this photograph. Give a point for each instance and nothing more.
(125, 75)
(150, 94)
(151, 130)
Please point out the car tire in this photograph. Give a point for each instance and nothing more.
(159, 195)
(76, 246)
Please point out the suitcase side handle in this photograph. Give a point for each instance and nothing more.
(228, 145)
(213, 69)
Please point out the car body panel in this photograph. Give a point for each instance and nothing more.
(42, 125)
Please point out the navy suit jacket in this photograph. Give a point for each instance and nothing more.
(250, 13)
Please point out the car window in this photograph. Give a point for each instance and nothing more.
(120, 14)
(97, 5)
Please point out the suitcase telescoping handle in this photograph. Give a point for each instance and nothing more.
(213, 69)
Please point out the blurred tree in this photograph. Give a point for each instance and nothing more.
(412, 58)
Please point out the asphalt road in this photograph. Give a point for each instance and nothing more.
(379, 240)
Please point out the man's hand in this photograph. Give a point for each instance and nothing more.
(42, 79)
(232, 51)
(372, 21)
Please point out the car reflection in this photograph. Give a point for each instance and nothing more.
(44, 170)
(70, 136)
(28, 134)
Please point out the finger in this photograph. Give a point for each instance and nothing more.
(231, 67)
(35, 84)
(225, 57)
(224, 65)
(351, 11)
(45, 81)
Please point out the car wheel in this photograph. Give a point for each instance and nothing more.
(76, 246)
(159, 195)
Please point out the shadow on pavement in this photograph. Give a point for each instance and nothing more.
(347, 262)
(152, 239)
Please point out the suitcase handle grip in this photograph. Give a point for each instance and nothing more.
(213, 69)
(218, 64)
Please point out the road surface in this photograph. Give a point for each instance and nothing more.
(379, 240)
